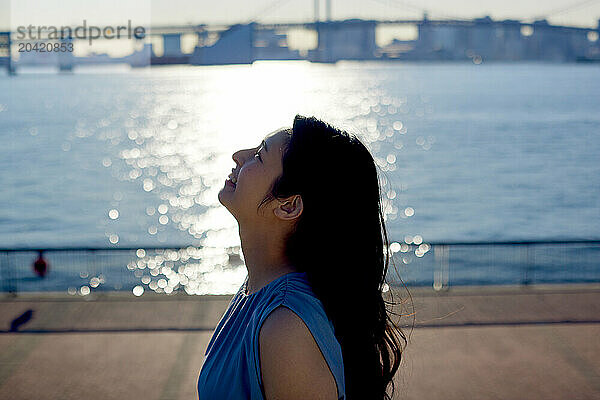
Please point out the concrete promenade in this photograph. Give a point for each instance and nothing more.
(540, 342)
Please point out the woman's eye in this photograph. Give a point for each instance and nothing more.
(257, 155)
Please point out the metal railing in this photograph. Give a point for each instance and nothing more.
(82, 270)
(498, 263)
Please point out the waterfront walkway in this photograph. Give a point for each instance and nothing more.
(468, 343)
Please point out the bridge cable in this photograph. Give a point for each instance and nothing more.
(406, 5)
(566, 9)
(273, 5)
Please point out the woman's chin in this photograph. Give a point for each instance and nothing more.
(224, 196)
(226, 202)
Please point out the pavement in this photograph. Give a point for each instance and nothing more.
(537, 342)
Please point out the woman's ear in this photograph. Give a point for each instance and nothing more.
(290, 208)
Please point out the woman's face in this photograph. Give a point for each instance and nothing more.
(252, 178)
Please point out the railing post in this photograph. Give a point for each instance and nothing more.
(441, 272)
(8, 274)
(528, 269)
(3, 269)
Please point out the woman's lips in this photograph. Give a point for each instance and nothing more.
(232, 179)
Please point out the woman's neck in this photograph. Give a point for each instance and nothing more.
(264, 257)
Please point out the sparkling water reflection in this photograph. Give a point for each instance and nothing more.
(467, 153)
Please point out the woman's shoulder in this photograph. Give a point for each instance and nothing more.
(291, 287)
(294, 318)
(286, 340)
(293, 291)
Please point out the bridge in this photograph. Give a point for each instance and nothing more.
(355, 39)
(447, 38)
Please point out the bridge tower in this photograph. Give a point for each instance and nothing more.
(5, 53)
(65, 59)
(317, 7)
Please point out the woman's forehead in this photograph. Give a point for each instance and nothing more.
(276, 138)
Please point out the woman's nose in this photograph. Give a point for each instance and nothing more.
(236, 157)
(240, 156)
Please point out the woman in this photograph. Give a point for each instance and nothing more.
(310, 321)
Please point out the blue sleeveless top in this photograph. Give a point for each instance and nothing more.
(231, 368)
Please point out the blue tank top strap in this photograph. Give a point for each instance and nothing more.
(231, 368)
(296, 295)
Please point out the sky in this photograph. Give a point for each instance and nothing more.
(585, 13)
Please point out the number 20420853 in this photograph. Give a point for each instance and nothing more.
(45, 47)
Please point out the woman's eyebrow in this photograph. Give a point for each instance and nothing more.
(264, 144)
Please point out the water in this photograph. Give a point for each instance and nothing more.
(470, 152)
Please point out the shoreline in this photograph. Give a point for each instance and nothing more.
(421, 291)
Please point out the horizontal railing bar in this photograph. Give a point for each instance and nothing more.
(119, 248)
(475, 243)
(514, 242)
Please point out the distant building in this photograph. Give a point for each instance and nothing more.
(488, 40)
(397, 49)
(482, 38)
(234, 46)
(141, 58)
(442, 41)
(578, 45)
(510, 43)
(171, 51)
(352, 39)
(172, 45)
(545, 44)
(271, 45)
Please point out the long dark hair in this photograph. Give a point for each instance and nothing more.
(340, 241)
